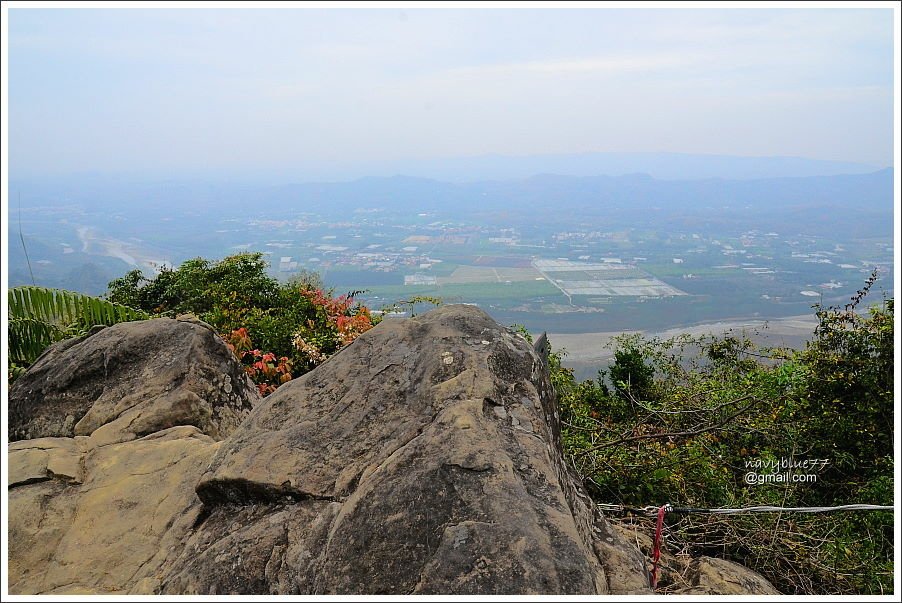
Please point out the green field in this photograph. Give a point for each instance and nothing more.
(467, 292)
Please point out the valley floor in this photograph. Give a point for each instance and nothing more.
(588, 352)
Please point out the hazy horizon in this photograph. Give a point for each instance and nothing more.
(493, 167)
(343, 93)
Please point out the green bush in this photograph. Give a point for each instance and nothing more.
(683, 421)
(278, 330)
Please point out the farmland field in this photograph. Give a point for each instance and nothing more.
(616, 279)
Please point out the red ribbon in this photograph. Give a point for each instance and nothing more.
(656, 553)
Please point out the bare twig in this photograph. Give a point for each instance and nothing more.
(675, 434)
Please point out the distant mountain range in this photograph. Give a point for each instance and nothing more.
(859, 205)
(663, 166)
(597, 195)
(840, 207)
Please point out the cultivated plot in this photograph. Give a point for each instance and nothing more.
(604, 279)
(483, 274)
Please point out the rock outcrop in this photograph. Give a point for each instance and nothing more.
(423, 458)
(130, 380)
(123, 422)
(97, 518)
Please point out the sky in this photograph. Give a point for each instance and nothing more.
(241, 90)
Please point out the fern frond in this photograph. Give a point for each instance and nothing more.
(65, 308)
(29, 337)
(39, 317)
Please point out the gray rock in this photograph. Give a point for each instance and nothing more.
(130, 380)
(711, 576)
(432, 464)
(388, 469)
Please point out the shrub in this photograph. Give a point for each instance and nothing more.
(293, 326)
(686, 419)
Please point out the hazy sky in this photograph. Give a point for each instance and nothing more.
(250, 89)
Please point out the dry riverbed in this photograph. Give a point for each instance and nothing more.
(588, 352)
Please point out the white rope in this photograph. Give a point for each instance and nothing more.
(770, 509)
(650, 510)
(609, 507)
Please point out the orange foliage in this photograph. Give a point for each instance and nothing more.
(263, 368)
(344, 322)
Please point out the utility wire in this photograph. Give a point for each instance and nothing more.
(22, 238)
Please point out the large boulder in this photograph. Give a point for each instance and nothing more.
(131, 380)
(145, 401)
(423, 458)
